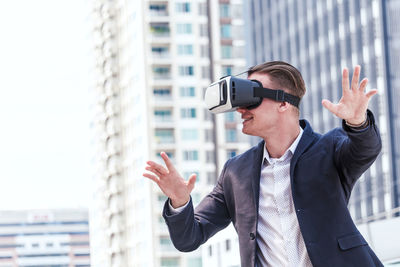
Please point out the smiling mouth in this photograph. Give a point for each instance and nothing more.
(247, 119)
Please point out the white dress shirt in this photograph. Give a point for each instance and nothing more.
(279, 239)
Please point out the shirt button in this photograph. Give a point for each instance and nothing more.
(252, 236)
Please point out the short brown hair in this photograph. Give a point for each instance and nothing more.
(283, 75)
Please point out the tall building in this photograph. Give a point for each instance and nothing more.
(320, 38)
(154, 59)
(391, 35)
(44, 238)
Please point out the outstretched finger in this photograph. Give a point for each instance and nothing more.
(371, 93)
(167, 161)
(345, 82)
(151, 177)
(153, 170)
(191, 181)
(356, 78)
(363, 84)
(329, 106)
(157, 167)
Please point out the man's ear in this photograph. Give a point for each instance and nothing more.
(283, 106)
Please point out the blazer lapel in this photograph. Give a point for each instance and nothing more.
(305, 141)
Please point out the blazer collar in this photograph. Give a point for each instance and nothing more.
(305, 141)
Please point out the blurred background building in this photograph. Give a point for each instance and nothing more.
(154, 58)
(153, 61)
(320, 38)
(44, 238)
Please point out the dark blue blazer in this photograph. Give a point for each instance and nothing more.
(323, 171)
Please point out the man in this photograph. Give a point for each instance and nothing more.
(286, 197)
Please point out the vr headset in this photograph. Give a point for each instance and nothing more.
(230, 93)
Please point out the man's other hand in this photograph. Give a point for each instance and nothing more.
(352, 107)
(170, 181)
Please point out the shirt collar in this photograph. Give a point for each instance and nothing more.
(290, 150)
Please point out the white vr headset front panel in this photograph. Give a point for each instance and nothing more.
(214, 97)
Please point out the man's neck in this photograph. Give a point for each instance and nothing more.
(278, 142)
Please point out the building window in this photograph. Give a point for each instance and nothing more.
(226, 51)
(190, 134)
(203, 30)
(203, 9)
(185, 49)
(205, 72)
(227, 70)
(195, 262)
(160, 51)
(188, 113)
(169, 262)
(164, 136)
(190, 155)
(204, 51)
(183, 7)
(224, 11)
(231, 135)
(187, 91)
(158, 9)
(165, 241)
(210, 156)
(230, 117)
(162, 92)
(226, 31)
(207, 115)
(162, 115)
(208, 135)
(159, 29)
(184, 28)
(161, 72)
(230, 153)
(186, 70)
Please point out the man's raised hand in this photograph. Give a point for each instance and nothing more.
(352, 107)
(170, 181)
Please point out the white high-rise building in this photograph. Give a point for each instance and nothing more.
(154, 58)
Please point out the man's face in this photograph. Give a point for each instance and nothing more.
(264, 118)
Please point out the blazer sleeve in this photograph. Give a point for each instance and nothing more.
(355, 151)
(192, 227)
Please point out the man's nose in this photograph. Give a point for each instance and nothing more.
(241, 110)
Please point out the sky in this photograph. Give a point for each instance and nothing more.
(45, 83)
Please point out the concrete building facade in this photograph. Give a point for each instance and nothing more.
(44, 238)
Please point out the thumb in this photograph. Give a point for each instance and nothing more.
(329, 106)
(191, 181)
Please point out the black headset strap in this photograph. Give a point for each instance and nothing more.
(277, 95)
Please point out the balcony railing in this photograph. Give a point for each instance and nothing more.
(158, 13)
(160, 31)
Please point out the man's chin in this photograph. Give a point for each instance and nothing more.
(247, 131)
